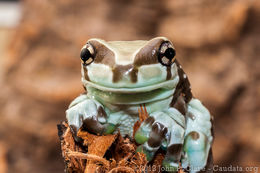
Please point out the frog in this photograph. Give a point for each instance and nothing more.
(118, 77)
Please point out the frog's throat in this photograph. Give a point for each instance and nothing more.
(139, 95)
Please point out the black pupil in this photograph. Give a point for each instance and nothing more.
(169, 53)
(85, 54)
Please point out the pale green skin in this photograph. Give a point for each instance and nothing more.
(121, 101)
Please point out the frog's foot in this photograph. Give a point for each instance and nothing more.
(161, 130)
(198, 137)
(153, 141)
(174, 149)
(196, 149)
(88, 114)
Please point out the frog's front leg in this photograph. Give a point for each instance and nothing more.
(163, 129)
(198, 137)
(88, 114)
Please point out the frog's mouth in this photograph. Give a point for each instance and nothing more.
(139, 95)
(169, 84)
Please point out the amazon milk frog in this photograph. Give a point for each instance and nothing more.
(119, 76)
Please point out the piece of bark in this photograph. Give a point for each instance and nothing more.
(124, 150)
(73, 164)
(97, 145)
(123, 159)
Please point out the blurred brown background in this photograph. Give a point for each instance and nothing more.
(217, 42)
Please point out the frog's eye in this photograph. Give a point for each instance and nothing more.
(166, 54)
(87, 54)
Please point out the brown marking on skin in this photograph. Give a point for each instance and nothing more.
(182, 88)
(176, 94)
(212, 126)
(101, 112)
(85, 70)
(92, 125)
(149, 53)
(194, 135)
(154, 143)
(120, 70)
(104, 55)
(181, 105)
(133, 74)
(107, 57)
(157, 134)
(169, 73)
(174, 152)
(191, 116)
(186, 90)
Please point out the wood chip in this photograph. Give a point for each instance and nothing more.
(68, 144)
(97, 146)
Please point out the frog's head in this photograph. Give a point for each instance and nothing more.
(129, 66)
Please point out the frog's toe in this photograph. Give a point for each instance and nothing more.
(147, 151)
(73, 118)
(141, 137)
(196, 147)
(157, 134)
(74, 122)
(170, 166)
(149, 121)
